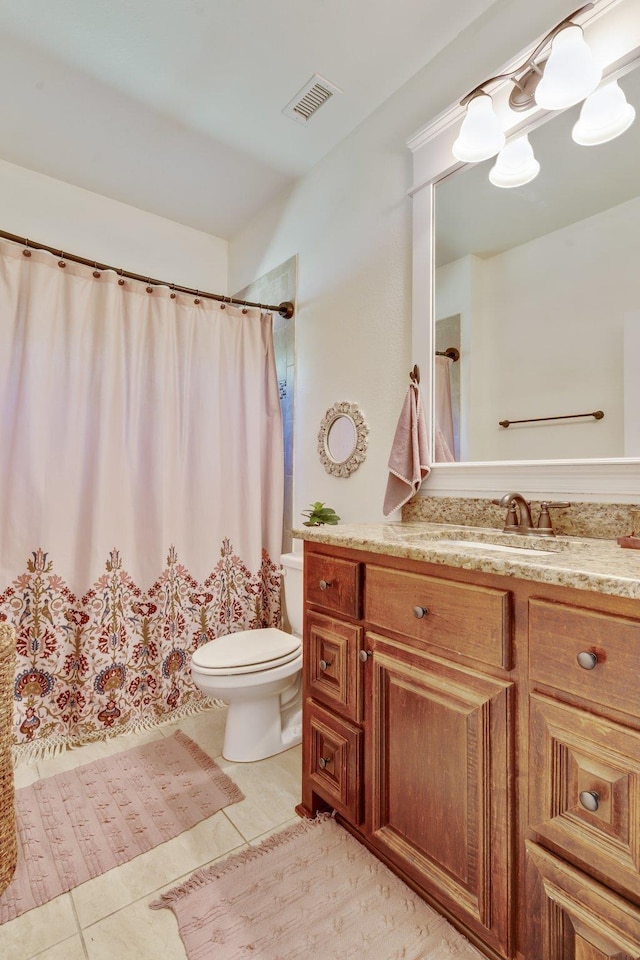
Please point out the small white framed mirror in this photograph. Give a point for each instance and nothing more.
(342, 439)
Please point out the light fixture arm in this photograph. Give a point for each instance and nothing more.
(529, 62)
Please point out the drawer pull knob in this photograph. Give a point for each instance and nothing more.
(590, 800)
(323, 761)
(324, 584)
(325, 664)
(587, 660)
(420, 612)
(364, 655)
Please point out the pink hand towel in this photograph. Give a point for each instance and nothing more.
(408, 462)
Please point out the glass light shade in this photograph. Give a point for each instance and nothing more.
(604, 116)
(571, 72)
(516, 164)
(481, 135)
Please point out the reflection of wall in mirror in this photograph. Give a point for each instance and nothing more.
(542, 335)
(455, 284)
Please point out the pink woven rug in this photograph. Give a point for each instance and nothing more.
(76, 825)
(311, 892)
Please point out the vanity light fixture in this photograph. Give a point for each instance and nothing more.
(571, 72)
(481, 135)
(515, 164)
(559, 73)
(604, 115)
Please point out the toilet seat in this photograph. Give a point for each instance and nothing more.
(248, 651)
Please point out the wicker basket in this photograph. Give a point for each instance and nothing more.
(8, 842)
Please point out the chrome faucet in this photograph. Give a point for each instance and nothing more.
(519, 519)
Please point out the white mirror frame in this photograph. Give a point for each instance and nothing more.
(613, 33)
(348, 466)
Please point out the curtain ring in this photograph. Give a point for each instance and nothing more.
(96, 272)
(26, 252)
(245, 310)
(149, 288)
(223, 306)
(173, 291)
(120, 278)
(197, 298)
(61, 261)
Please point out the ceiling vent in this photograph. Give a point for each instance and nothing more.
(309, 100)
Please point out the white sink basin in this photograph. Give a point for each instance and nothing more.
(494, 547)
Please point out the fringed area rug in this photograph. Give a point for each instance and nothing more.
(79, 824)
(311, 892)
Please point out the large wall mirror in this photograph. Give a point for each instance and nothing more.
(543, 281)
(537, 288)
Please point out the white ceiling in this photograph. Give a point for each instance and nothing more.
(174, 106)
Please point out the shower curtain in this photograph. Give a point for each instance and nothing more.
(444, 429)
(141, 488)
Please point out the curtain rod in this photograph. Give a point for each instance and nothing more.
(285, 309)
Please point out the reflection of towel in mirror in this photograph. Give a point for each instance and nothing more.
(441, 451)
(408, 461)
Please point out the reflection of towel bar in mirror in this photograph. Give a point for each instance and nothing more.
(596, 414)
(452, 352)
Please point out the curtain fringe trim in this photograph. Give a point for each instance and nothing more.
(48, 747)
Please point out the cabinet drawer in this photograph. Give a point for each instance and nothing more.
(333, 671)
(571, 917)
(559, 633)
(335, 760)
(584, 791)
(335, 585)
(465, 619)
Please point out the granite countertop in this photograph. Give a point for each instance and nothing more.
(598, 565)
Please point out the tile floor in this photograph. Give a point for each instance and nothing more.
(108, 918)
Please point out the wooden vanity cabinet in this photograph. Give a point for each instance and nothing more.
(408, 720)
(481, 735)
(332, 746)
(584, 785)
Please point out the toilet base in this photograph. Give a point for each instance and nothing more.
(272, 729)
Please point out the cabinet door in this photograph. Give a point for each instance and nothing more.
(584, 792)
(438, 784)
(332, 666)
(571, 917)
(332, 760)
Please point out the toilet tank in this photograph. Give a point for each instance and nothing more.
(292, 591)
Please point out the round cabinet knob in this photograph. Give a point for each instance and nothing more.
(324, 584)
(587, 660)
(420, 612)
(364, 655)
(323, 761)
(590, 800)
(325, 664)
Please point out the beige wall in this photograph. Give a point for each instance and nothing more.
(58, 214)
(349, 222)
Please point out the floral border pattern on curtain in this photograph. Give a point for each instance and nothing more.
(118, 658)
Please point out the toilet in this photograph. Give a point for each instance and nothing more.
(259, 674)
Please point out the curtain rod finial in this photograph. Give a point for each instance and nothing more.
(286, 309)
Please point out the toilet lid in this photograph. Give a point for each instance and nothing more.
(247, 650)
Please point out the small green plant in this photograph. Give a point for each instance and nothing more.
(319, 514)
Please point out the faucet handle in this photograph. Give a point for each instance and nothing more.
(544, 520)
(511, 521)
